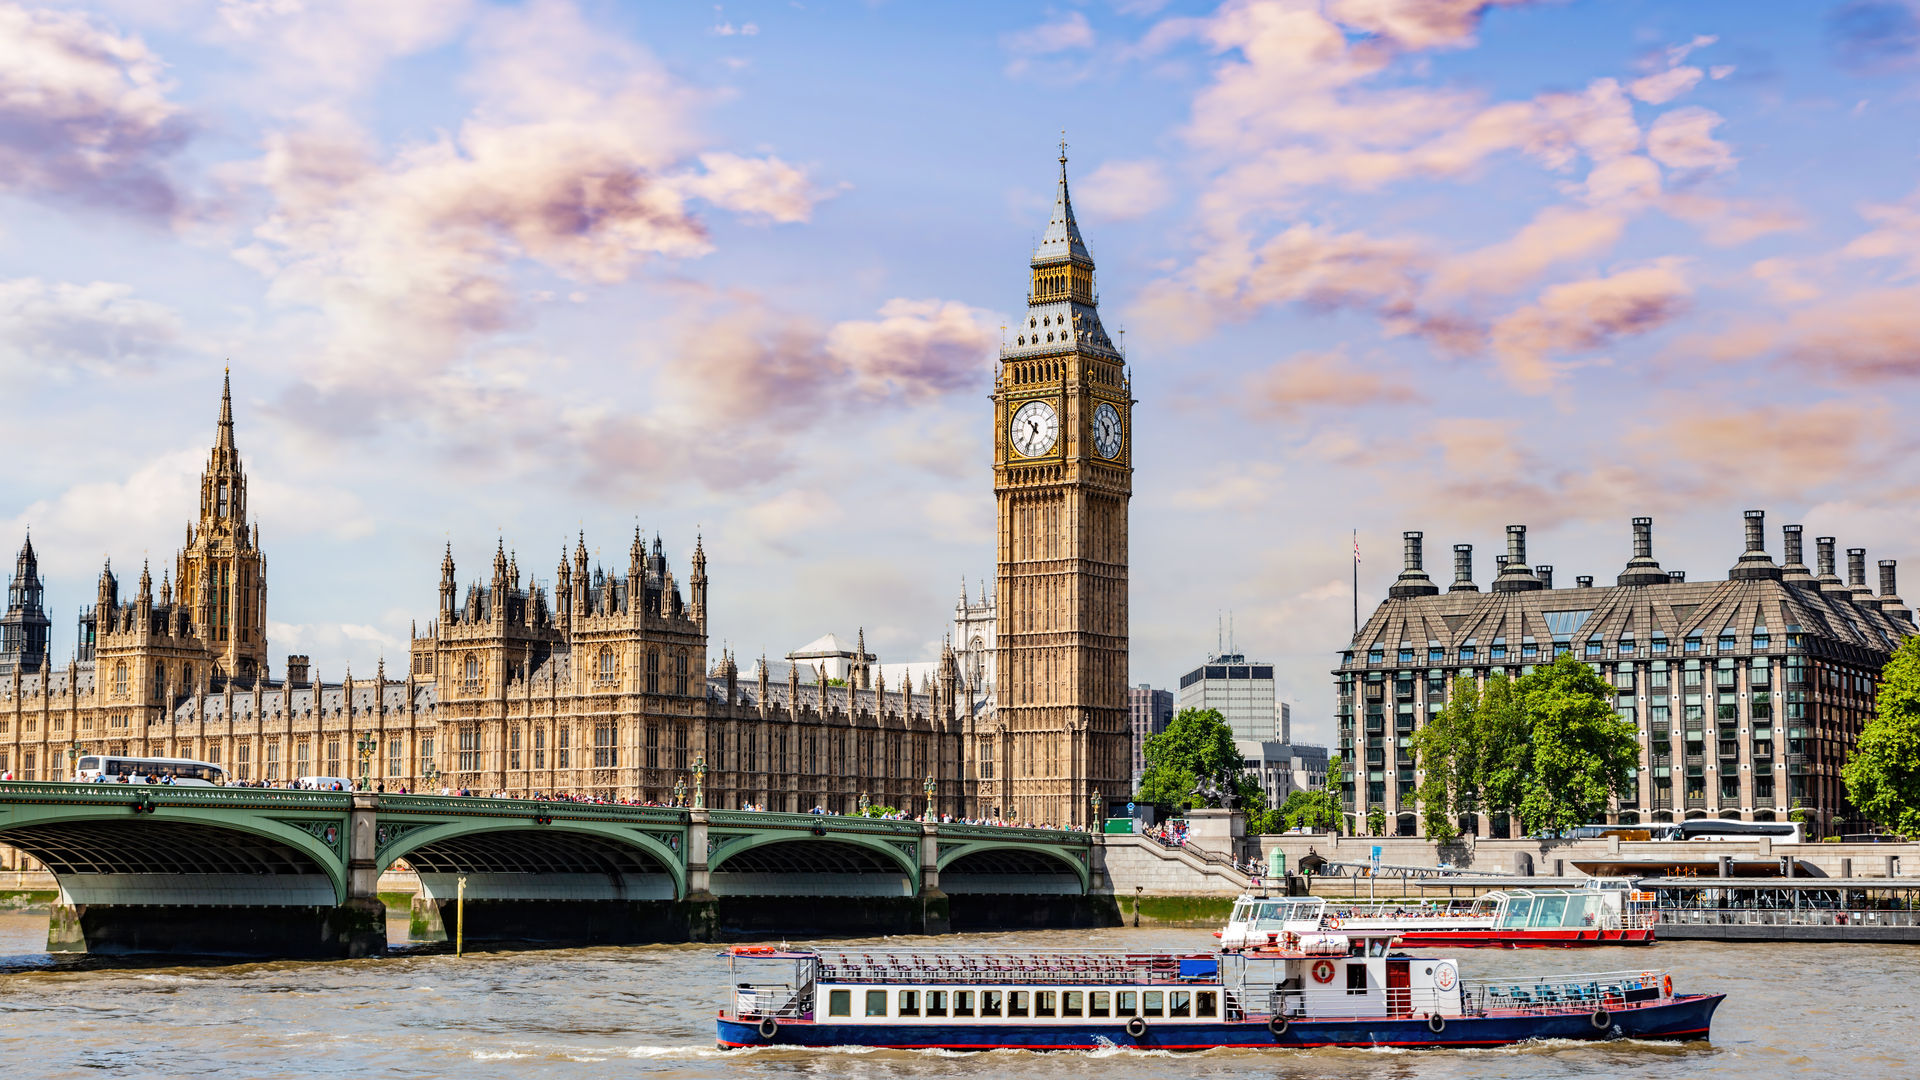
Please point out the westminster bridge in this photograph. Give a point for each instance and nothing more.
(275, 872)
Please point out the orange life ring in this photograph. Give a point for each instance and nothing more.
(1323, 971)
(1666, 986)
(1333, 922)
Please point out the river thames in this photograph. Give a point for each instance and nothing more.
(1792, 1010)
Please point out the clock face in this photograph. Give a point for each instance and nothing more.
(1106, 431)
(1035, 428)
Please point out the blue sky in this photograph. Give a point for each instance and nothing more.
(517, 270)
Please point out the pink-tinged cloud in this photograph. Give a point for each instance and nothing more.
(55, 329)
(84, 114)
(1322, 382)
(1683, 140)
(1895, 235)
(328, 46)
(1663, 87)
(914, 349)
(1732, 222)
(1833, 441)
(1418, 24)
(1122, 190)
(1584, 316)
(1557, 234)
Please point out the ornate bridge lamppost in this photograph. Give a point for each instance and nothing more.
(1094, 816)
(73, 761)
(365, 747)
(864, 804)
(680, 792)
(431, 774)
(700, 782)
(927, 790)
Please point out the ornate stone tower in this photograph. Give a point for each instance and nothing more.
(1062, 477)
(221, 572)
(24, 627)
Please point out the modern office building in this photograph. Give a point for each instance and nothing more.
(1243, 692)
(1149, 712)
(1748, 692)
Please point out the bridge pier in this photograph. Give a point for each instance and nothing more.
(936, 912)
(702, 906)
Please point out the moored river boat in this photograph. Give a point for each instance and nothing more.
(1599, 913)
(1327, 989)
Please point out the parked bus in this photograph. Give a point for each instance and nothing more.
(1781, 832)
(108, 769)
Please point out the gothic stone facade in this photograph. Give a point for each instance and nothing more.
(1748, 693)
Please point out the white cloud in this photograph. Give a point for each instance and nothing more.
(1122, 190)
(100, 327)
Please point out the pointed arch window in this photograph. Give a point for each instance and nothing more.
(653, 671)
(606, 662)
(220, 500)
(120, 678)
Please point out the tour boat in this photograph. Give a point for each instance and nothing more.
(1601, 913)
(1323, 989)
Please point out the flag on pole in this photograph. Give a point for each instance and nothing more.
(1356, 545)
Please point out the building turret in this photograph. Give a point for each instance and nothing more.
(1413, 580)
(1828, 580)
(1889, 596)
(1755, 564)
(449, 591)
(1794, 570)
(698, 584)
(1857, 579)
(1463, 569)
(25, 627)
(1642, 569)
(1515, 576)
(580, 581)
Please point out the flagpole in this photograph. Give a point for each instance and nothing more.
(1356, 584)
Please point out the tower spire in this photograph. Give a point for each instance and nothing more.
(1062, 240)
(224, 436)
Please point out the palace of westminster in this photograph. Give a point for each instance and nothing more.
(607, 685)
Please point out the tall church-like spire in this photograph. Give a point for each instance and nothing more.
(1061, 241)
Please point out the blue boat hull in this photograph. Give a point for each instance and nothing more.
(1683, 1018)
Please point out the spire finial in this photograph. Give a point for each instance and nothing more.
(1063, 146)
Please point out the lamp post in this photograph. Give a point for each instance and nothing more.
(365, 749)
(73, 761)
(700, 782)
(680, 792)
(927, 789)
(431, 774)
(864, 804)
(1093, 812)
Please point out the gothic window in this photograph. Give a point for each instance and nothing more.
(606, 662)
(396, 757)
(680, 746)
(472, 668)
(273, 759)
(333, 757)
(470, 749)
(426, 754)
(120, 678)
(539, 748)
(563, 752)
(243, 760)
(302, 756)
(186, 676)
(653, 671)
(653, 744)
(220, 507)
(513, 748)
(606, 755)
(159, 680)
(680, 675)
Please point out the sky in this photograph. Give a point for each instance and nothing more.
(496, 272)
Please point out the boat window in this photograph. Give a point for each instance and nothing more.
(1273, 912)
(1356, 946)
(1356, 978)
(1239, 910)
(1208, 1004)
(876, 1003)
(839, 1003)
(936, 1003)
(1180, 1003)
(909, 1003)
(1377, 946)
(963, 1003)
(1017, 1003)
(1100, 1003)
(989, 1003)
(1070, 1003)
(1127, 1003)
(1549, 911)
(1518, 909)
(1043, 1002)
(1153, 1004)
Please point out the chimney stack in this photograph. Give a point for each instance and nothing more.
(1823, 566)
(1794, 569)
(1755, 564)
(1545, 574)
(1514, 575)
(1413, 579)
(1890, 596)
(1463, 569)
(1642, 569)
(1584, 581)
(1857, 579)
(1676, 576)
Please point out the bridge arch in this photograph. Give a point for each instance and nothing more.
(571, 857)
(1009, 866)
(803, 864)
(198, 855)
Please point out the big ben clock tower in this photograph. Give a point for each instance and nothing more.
(1062, 477)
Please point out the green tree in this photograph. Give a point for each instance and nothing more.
(1576, 752)
(1376, 821)
(1448, 750)
(1196, 752)
(1883, 775)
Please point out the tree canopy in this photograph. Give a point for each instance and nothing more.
(1545, 748)
(1883, 775)
(1315, 809)
(1196, 752)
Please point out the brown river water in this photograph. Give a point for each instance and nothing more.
(1850, 1011)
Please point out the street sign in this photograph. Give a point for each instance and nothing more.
(1129, 809)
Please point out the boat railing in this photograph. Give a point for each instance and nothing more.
(785, 1001)
(1570, 993)
(1405, 909)
(1333, 1001)
(1050, 968)
(1808, 916)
